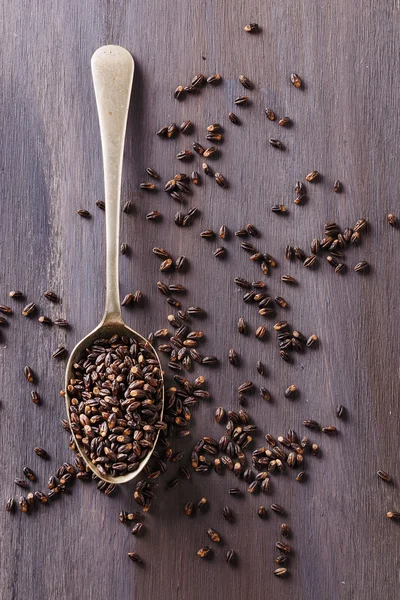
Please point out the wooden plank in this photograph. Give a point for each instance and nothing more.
(344, 124)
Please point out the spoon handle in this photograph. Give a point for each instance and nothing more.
(112, 71)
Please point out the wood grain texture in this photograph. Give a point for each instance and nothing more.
(346, 122)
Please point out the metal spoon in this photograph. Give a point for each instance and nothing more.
(112, 70)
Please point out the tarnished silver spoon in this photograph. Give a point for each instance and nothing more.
(112, 70)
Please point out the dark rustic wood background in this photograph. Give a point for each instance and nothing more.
(345, 124)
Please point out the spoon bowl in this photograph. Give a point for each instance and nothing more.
(112, 70)
(106, 329)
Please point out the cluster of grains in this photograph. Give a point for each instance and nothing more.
(116, 403)
(333, 244)
(116, 390)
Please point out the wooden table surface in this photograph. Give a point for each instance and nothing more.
(345, 125)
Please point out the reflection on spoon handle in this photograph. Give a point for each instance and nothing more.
(112, 70)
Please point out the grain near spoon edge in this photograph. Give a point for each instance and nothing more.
(112, 71)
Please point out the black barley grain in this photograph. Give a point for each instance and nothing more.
(245, 81)
(207, 233)
(198, 148)
(198, 80)
(214, 128)
(347, 233)
(210, 152)
(29, 474)
(45, 320)
(296, 80)
(189, 509)
(262, 512)
(361, 225)
(223, 232)
(195, 178)
(233, 118)
(289, 252)
(248, 247)
(312, 340)
(172, 130)
(35, 397)
(135, 557)
(21, 483)
(202, 504)
(23, 504)
(265, 395)
(260, 367)
(288, 279)
(10, 506)
(314, 449)
(251, 28)
(220, 179)
(340, 411)
(276, 143)
(299, 200)
(152, 173)
(242, 283)
(204, 552)
(166, 265)
(61, 323)
(311, 424)
(59, 352)
(394, 515)
(332, 261)
(313, 176)
(384, 476)
(5, 309)
(29, 374)
(163, 131)
(245, 387)
(41, 452)
(315, 246)
(206, 168)
(329, 429)
(214, 79)
(285, 356)
(179, 93)
(82, 212)
(215, 137)
(214, 535)
(127, 207)
(310, 261)
(355, 238)
(270, 114)
(241, 101)
(277, 508)
(184, 155)
(362, 267)
(283, 547)
(154, 215)
(290, 391)
(137, 529)
(29, 309)
(260, 332)
(337, 186)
